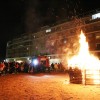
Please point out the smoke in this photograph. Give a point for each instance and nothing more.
(70, 44)
(32, 17)
(41, 13)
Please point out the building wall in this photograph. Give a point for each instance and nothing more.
(60, 39)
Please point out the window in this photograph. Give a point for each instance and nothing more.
(95, 16)
(48, 30)
(97, 37)
(98, 46)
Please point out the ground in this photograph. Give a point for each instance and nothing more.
(45, 87)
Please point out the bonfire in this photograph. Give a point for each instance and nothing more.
(86, 62)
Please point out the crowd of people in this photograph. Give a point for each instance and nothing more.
(13, 67)
(24, 67)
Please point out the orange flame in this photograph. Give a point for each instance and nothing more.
(84, 60)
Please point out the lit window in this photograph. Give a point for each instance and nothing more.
(65, 41)
(95, 16)
(97, 37)
(52, 43)
(48, 30)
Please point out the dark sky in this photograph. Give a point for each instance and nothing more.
(20, 16)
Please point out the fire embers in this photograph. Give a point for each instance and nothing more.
(75, 75)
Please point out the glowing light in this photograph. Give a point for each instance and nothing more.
(48, 30)
(19, 61)
(95, 16)
(35, 62)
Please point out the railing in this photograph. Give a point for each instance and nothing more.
(92, 77)
(86, 77)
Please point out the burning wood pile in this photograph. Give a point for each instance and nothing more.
(75, 75)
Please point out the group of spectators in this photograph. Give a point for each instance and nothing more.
(15, 67)
(57, 67)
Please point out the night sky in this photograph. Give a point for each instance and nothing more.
(24, 16)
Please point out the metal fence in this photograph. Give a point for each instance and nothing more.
(86, 77)
(92, 77)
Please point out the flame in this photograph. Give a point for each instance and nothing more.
(84, 59)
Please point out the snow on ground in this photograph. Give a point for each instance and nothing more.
(45, 87)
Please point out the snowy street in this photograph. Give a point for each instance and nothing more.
(44, 87)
